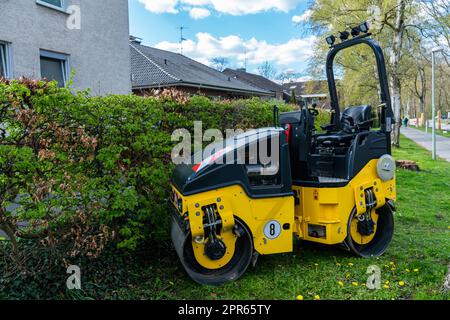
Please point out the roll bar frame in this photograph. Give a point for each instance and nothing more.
(387, 115)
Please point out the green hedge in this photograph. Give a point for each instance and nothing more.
(94, 170)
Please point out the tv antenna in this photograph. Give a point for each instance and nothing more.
(182, 38)
(245, 59)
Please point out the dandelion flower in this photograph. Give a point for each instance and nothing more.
(350, 264)
(316, 297)
(347, 275)
(386, 286)
(391, 263)
(338, 264)
(387, 282)
(355, 283)
(340, 283)
(316, 264)
(401, 283)
(407, 270)
(416, 270)
(300, 297)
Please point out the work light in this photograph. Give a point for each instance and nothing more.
(364, 27)
(356, 31)
(344, 35)
(331, 40)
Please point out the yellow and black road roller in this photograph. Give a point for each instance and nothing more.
(336, 187)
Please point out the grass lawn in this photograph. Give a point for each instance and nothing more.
(439, 132)
(418, 256)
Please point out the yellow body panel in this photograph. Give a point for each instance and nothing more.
(326, 208)
(332, 207)
(255, 213)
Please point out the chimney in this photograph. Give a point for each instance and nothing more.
(135, 40)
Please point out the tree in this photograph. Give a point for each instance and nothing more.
(220, 63)
(287, 76)
(437, 26)
(293, 97)
(267, 70)
(418, 81)
(393, 21)
(398, 29)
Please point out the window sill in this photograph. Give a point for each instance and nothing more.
(48, 5)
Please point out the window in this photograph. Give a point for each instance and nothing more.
(5, 65)
(55, 4)
(55, 66)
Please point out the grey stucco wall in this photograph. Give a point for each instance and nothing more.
(98, 52)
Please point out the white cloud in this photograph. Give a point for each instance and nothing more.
(302, 79)
(283, 54)
(232, 7)
(303, 17)
(196, 2)
(241, 7)
(234, 47)
(199, 13)
(160, 6)
(289, 71)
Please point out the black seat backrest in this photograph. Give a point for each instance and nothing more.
(356, 119)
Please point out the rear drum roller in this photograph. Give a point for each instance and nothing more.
(234, 269)
(369, 240)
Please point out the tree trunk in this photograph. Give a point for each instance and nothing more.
(422, 104)
(396, 104)
(395, 77)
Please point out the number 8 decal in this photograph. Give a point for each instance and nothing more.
(272, 230)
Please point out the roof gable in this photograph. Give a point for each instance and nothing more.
(254, 80)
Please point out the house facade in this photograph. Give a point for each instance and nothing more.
(309, 92)
(51, 38)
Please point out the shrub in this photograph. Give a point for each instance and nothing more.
(96, 169)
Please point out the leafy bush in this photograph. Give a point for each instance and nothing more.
(96, 169)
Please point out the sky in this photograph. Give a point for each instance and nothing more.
(246, 32)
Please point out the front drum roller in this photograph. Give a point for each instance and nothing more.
(233, 269)
(376, 243)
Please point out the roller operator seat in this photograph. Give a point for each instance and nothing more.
(353, 120)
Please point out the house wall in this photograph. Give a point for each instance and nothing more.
(98, 51)
(279, 95)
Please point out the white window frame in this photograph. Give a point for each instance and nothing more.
(8, 59)
(63, 7)
(65, 62)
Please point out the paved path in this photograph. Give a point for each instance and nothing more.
(424, 139)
